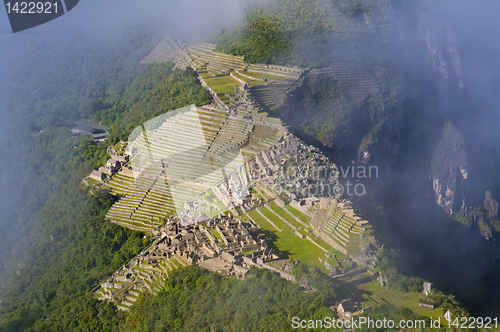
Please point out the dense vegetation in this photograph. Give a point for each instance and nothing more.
(58, 246)
(157, 90)
(318, 110)
(38, 97)
(312, 33)
(388, 262)
(315, 35)
(262, 40)
(72, 249)
(196, 300)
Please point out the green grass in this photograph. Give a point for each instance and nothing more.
(328, 247)
(255, 193)
(256, 83)
(269, 76)
(262, 194)
(284, 215)
(287, 228)
(298, 214)
(288, 245)
(222, 84)
(244, 253)
(243, 78)
(216, 234)
(176, 262)
(206, 75)
(272, 191)
(274, 219)
(374, 292)
(243, 218)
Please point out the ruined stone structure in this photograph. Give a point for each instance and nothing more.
(191, 176)
(221, 244)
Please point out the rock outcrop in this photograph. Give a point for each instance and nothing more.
(491, 206)
(445, 59)
(449, 168)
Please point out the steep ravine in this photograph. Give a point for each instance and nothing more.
(423, 151)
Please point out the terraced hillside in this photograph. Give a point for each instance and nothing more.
(165, 51)
(196, 164)
(224, 74)
(340, 227)
(180, 155)
(354, 81)
(126, 285)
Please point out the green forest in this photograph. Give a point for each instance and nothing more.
(318, 34)
(60, 243)
(196, 300)
(312, 34)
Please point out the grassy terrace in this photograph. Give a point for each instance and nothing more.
(288, 245)
(271, 94)
(374, 293)
(253, 83)
(243, 78)
(266, 189)
(261, 132)
(216, 234)
(222, 84)
(298, 214)
(244, 218)
(287, 241)
(244, 253)
(282, 213)
(153, 277)
(261, 194)
(269, 76)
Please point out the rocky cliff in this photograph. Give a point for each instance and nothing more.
(491, 206)
(449, 168)
(381, 144)
(445, 59)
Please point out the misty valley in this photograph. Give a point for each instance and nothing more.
(251, 166)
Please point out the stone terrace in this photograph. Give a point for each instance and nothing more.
(189, 167)
(222, 244)
(357, 82)
(165, 51)
(345, 231)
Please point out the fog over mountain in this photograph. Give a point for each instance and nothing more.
(37, 64)
(447, 52)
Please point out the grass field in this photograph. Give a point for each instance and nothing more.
(375, 293)
(288, 245)
(298, 214)
(262, 194)
(223, 84)
(262, 75)
(216, 234)
(253, 83)
(282, 213)
(255, 193)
